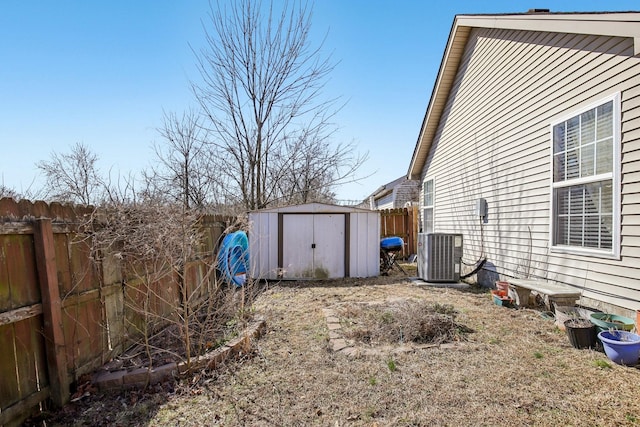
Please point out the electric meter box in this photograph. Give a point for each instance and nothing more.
(480, 208)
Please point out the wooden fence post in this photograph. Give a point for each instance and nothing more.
(51, 310)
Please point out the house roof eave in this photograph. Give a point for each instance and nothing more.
(619, 24)
(448, 68)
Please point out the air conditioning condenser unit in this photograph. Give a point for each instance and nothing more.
(439, 257)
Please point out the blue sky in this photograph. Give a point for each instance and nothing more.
(102, 72)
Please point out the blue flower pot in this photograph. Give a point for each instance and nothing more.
(622, 347)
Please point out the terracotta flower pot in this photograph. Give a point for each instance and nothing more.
(502, 285)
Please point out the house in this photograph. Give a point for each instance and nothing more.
(395, 194)
(530, 147)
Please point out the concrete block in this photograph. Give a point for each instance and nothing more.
(217, 356)
(163, 373)
(239, 344)
(338, 344)
(350, 351)
(137, 376)
(257, 328)
(110, 380)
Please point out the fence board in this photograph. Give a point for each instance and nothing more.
(134, 296)
(87, 334)
(400, 222)
(9, 391)
(21, 267)
(5, 289)
(84, 275)
(28, 359)
(70, 326)
(114, 318)
(197, 276)
(164, 296)
(61, 245)
(39, 350)
(84, 333)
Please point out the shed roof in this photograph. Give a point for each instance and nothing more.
(314, 208)
(619, 24)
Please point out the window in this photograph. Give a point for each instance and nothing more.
(427, 206)
(585, 185)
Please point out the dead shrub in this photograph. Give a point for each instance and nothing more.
(175, 307)
(401, 322)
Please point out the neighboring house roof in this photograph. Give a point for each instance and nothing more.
(386, 188)
(394, 193)
(620, 24)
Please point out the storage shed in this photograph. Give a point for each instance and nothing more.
(314, 240)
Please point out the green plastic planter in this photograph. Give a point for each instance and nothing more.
(605, 321)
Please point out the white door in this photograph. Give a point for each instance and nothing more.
(313, 246)
(297, 254)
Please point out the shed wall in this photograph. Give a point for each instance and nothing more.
(364, 244)
(509, 88)
(363, 241)
(263, 245)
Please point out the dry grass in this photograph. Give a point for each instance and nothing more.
(516, 368)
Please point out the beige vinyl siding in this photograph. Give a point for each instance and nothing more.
(495, 130)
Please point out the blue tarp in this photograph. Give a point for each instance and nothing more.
(233, 258)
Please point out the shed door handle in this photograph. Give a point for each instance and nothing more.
(313, 246)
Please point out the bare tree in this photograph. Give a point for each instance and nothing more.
(260, 90)
(184, 161)
(73, 176)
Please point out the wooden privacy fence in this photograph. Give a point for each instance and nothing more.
(62, 313)
(401, 222)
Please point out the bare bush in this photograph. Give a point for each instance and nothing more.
(401, 322)
(175, 305)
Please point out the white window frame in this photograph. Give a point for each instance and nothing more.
(432, 206)
(614, 176)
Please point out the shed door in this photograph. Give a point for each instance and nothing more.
(313, 246)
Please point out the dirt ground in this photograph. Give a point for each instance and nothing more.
(515, 368)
